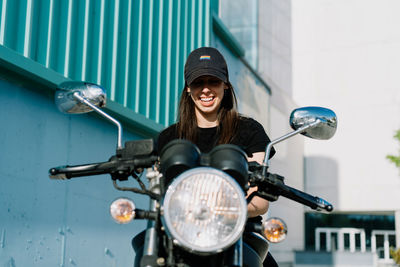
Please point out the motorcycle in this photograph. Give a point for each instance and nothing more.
(198, 209)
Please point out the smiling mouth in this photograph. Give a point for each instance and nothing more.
(207, 99)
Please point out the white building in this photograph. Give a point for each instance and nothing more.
(344, 55)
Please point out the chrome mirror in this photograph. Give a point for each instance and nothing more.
(323, 130)
(67, 102)
(314, 122)
(82, 97)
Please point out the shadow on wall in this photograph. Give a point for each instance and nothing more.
(321, 178)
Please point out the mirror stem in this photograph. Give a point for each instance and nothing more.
(83, 100)
(282, 138)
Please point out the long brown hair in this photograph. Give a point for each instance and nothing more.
(227, 117)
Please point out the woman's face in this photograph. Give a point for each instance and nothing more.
(207, 93)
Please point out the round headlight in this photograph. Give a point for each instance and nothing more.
(205, 210)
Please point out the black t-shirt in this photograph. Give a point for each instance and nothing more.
(250, 137)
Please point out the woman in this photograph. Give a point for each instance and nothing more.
(208, 115)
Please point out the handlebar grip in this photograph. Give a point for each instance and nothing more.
(112, 166)
(313, 202)
(145, 162)
(68, 172)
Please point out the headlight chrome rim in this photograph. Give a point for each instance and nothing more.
(241, 212)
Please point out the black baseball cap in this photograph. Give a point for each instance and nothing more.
(205, 61)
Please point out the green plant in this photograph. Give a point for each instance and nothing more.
(395, 253)
(395, 159)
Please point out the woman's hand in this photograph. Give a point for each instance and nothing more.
(258, 205)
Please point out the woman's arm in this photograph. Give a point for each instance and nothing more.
(258, 205)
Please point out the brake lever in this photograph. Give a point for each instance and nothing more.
(269, 187)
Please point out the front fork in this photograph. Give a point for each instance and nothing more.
(233, 256)
(151, 242)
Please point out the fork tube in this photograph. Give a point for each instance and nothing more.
(150, 249)
(235, 254)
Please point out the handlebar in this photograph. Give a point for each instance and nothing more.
(272, 186)
(118, 168)
(68, 172)
(313, 202)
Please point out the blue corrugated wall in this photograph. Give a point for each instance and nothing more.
(134, 48)
(56, 223)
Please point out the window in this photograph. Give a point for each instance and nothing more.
(241, 18)
(341, 223)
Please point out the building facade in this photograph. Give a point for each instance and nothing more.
(345, 56)
(134, 49)
(281, 54)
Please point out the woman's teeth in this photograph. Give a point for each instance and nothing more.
(208, 99)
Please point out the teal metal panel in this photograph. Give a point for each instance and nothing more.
(16, 67)
(135, 49)
(46, 223)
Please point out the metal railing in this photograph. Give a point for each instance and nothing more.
(340, 238)
(335, 240)
(386, 243)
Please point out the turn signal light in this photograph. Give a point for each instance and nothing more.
(123, 210)
(275, 230)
